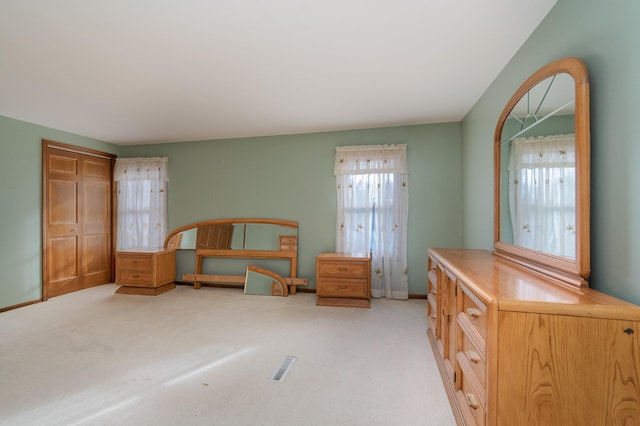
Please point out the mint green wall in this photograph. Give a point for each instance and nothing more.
(21, 206)
(291, 177)
(451, 195)
(605, 36)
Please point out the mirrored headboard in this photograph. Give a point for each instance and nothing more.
(247, 238)
(236, 234)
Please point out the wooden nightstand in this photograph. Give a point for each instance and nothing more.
(146, 272)
(343, 279)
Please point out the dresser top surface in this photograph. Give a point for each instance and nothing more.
(513, 287)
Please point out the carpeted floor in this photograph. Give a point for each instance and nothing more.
(206, 357)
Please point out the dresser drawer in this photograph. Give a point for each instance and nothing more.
(473, 416)
(471, 394)
(341, 287)
(474, 310)
(476, 358)
(342, 269)
(432, 315)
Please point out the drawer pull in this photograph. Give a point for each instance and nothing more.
(473, 356)
(433, 291)
(136, 276)
(342, 287)
(433, 315)
(343, 269)
(472, 312)
(472, 401)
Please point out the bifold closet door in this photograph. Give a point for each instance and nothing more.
(77, 246)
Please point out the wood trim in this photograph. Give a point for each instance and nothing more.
(43, 220)
(299, 289)
(75, 149)
(20, 305)
(273, 275)
(417, 296)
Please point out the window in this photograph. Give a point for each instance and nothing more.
(373, 197)
(142, 205)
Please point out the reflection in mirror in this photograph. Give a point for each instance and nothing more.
(550, 102)
(541, 195)
(260, 281)
(236, 236)
(542, 172)
(183, 240)
(260, 236)
(538, 169)
(214, 236)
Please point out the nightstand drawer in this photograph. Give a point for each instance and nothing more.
(134, 277)
(343, 269)
(135, 263)
(341, 288)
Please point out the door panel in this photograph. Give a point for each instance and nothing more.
(63, 163)
(98, 168)
(64, 267)
(96, 260)
(96, 220)
(63, 202)
(63, 224)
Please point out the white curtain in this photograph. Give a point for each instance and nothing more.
(373, 207)
(142, 202)
(542, 193)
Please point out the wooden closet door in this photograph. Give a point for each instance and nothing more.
(77, 221)
(96, 221)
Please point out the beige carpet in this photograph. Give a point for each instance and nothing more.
(206, 357)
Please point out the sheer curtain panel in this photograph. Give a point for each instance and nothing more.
(372, 216)
(542, 183)
(142, 202)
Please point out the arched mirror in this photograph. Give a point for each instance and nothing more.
(542, 162)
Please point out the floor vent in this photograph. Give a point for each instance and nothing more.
(282, 371)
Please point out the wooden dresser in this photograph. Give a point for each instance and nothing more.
(516, 348)
(343, 279)
(146, 272)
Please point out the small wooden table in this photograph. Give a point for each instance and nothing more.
(343, 279)
(146, 271)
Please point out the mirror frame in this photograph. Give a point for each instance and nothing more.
(276, 278)
(570, 271)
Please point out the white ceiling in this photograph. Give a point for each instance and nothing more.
(143, 71)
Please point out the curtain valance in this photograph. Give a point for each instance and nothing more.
(134, 169)
(543, 151)
(366, 159)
